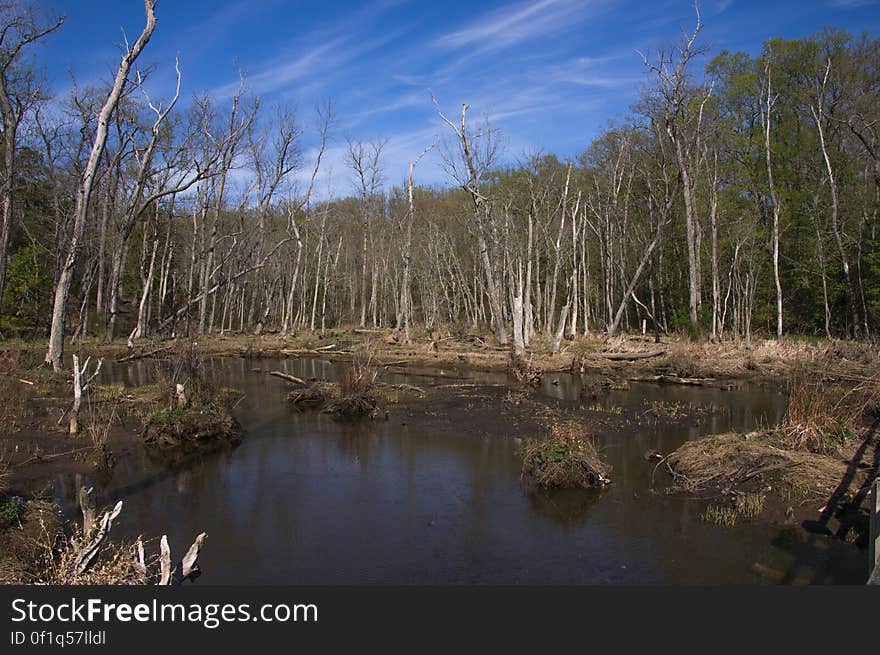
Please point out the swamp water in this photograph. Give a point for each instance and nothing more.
(308, 500)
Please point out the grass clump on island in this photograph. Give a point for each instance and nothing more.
(805, 457)
(191, 412)
(565, 458)
(353, 396)
(744, 463)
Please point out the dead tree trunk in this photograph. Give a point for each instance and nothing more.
(55, 353)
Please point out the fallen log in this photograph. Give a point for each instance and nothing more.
(289, 378)
(673, 379)
(143, 355)
(626, 357)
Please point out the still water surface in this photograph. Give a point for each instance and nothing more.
(307, 500)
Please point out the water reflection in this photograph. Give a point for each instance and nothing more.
(307, 500)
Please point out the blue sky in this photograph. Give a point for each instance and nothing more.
(550, 74)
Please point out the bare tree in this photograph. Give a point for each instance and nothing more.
(682, 115)
(766, 121)
(55, 353)
(405, 314)
(819, 111)
(363, 159)
(469, 178)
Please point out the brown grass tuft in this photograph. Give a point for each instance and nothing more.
(820, 417)
(743, 463)
(352, 396)
(359, 377)
(565, 458)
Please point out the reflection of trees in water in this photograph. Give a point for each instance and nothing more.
(355, 438)
(566, 507)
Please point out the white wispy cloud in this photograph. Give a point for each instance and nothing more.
(276, 75)
(589, 72)
(509, 26)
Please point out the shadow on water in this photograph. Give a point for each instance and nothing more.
(307, 500)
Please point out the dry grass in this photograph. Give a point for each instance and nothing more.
(314, 396)
(746, 463)
(821, 417)
(186, 366)
(360, 375)
(566, 458)
(38, 550)
(352, 396)
(100, 418)
(28, 544)
(14, 394)
(204, 420)
(116, 565)
(354, 406)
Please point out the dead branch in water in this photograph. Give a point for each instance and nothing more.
(289, 378)
(672, 379)
(143, 355)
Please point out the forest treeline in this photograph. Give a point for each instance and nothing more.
(739, 196)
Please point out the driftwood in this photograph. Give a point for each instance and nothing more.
(87, 552)
(332, 346)
(88, 548)
(289, 378)
(627, 357)
(87, 505)
(188, 567)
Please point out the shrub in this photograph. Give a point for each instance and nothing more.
(360, 375)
